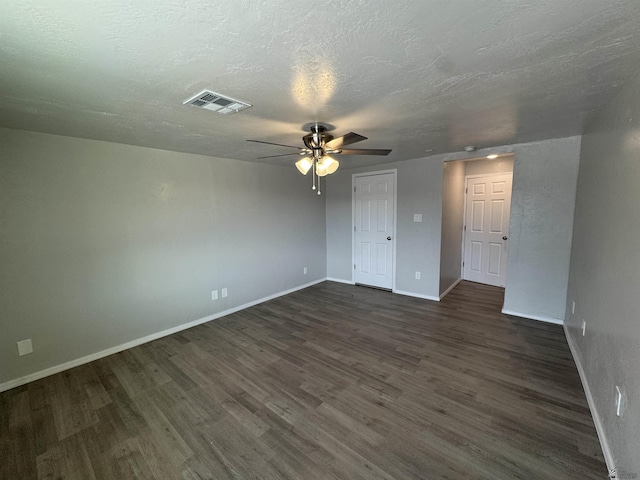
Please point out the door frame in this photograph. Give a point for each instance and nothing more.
(394, 172)
(464, 218)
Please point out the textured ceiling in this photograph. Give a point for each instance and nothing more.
(412, 76)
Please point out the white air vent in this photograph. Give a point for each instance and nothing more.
(216, 102)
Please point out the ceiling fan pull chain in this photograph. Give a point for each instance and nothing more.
(313, 174)
(315, 171)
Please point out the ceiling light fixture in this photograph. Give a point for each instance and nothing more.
(304, 165)
(492, 156)
(470, 148)
(328, 164)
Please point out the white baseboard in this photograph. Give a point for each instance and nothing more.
(453, 285)
(604, 444)
(417, 295)
(139, 341)
(340, 280)
(540, 318)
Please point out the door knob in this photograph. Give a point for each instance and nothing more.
(505, 237)
(389, 237)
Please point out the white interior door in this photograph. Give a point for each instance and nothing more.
(374, 230)
(486, 229)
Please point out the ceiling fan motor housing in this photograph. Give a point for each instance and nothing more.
(318, 138)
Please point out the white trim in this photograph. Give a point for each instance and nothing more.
(139, 341)
(417, 295)
(340, 280)
(393, 171)
(464, 227)
(484, 175)
(453, 285)
(604, 444)
(557, 321)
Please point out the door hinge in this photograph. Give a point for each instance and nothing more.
(463, 264)
(466, 190)
(354, 266)
(465, 228)
(354, 189)
(354, 228)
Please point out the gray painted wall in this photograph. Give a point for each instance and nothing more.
(103, 243)
(453, 183)
(542, 205)
(605, 273)
(485, 165)
(417, 244)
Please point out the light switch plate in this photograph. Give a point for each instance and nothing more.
(417, 217)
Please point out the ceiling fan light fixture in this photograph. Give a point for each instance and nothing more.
(330, 164)
(304, 165)
(321, 170)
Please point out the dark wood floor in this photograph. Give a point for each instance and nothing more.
(334, 381)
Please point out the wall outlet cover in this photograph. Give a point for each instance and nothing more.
(25, 347)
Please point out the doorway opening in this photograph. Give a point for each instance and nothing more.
(476, 207)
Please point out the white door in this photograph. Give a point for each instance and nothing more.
(486, 229)
(373, 230)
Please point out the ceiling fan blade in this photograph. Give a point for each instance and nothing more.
(282, 155)
(271, 143)
(347, 139)
(364, 151)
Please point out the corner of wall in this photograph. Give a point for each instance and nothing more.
(593, 408)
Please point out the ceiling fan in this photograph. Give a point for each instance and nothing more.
(318, 150)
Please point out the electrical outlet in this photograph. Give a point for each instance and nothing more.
(417, 275)
(224, 293)
(304, 270)
(25, 347)
(417, 217)
(584, 327)
(214, 294)
(573, 308)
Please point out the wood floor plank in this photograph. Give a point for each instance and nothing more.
(330, 382)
